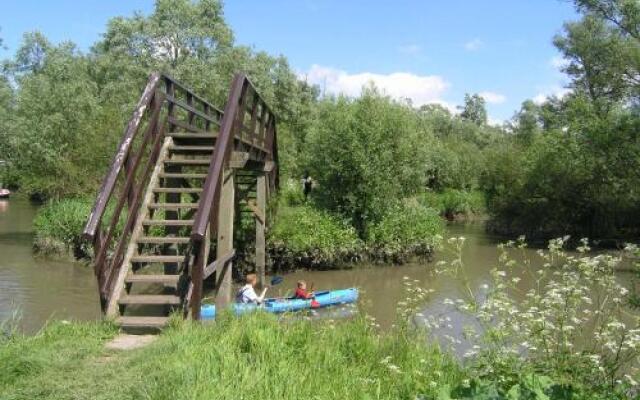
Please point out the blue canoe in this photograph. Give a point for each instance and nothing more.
(281, 305)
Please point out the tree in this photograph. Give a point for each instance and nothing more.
(527, 121)
(474, 109)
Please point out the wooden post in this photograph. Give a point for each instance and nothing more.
(225, 237)
(261, 200)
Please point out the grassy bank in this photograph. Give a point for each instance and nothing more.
(252, 357)
(454, 204)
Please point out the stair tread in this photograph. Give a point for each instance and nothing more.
(191, 148)
(183, 176)
(173, 205)
(189, 161)
(150, 299)
(142, 322)
(183, 135)
(168, 222)
(149, 258)
(149, 278)
(163, 239)
(177, 190)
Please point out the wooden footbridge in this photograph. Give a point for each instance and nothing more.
(163, 221)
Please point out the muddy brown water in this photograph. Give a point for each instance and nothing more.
(37, 288)
(41, 289)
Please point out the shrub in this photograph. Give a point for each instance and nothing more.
(453, 202)
(409, 229)
(59, 224)
(303, 236)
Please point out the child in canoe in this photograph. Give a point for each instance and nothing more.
(247, 293)
(303, 294)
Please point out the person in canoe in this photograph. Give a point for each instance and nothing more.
(302, 294)
(247, 293)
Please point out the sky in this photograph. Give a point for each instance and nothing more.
(429, 51)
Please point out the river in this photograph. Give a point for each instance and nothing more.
(41, 289)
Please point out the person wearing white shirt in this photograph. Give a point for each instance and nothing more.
(247, 293)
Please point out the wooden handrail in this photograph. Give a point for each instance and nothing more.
(106, 190)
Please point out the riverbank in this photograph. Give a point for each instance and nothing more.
(252, 357)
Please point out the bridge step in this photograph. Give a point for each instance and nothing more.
(173, 206)
(183, 176)
(157, 259)
(195, 149)
(149, 299)
(168, 222)
(145, 278)
(177, 190)
(142, 322)
(163, 239)
(187, 161)
(182, 135)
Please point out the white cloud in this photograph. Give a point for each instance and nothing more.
(474, 44)
(410, 49)
(420, 89)
(557, 91)
(558, 62)
(493, 98)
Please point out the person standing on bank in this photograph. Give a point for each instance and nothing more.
(307, 184)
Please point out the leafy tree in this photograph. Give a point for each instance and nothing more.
(474, 109)
(364, 155)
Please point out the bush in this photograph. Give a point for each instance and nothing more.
(58, 227)
(303, 236)
(452, 202)
(406, 230)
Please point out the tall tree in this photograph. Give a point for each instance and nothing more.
(474, 109)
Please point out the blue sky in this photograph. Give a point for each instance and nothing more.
(429, 51)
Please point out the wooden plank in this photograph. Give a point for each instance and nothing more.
(238, 159)
(259, 214)
(180, 135)
(181, 124)
(183, 176)
(142, 322)
(225, 238)
(175, 148)
(195, 161)
(173, 206)
(167, 222)
(176, 190)
(150, 299)
(156, 259)
(147, 278)
(259, 210)
(192, 110)
(214, 266)
(163, 239)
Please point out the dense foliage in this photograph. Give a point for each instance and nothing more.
(573, 164)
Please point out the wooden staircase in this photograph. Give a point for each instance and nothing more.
(153, 253)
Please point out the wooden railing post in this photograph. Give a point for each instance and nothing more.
(261, 200)
(225, 237)
(197, 281)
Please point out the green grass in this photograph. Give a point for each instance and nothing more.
(254, 357)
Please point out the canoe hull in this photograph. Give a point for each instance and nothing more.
(277, 306)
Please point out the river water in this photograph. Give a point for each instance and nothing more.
(41, 289)
(37, 288)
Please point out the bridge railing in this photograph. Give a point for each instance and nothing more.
(248, 125)
(164, 104)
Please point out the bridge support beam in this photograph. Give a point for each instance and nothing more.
(261, 205)
(225, 238)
